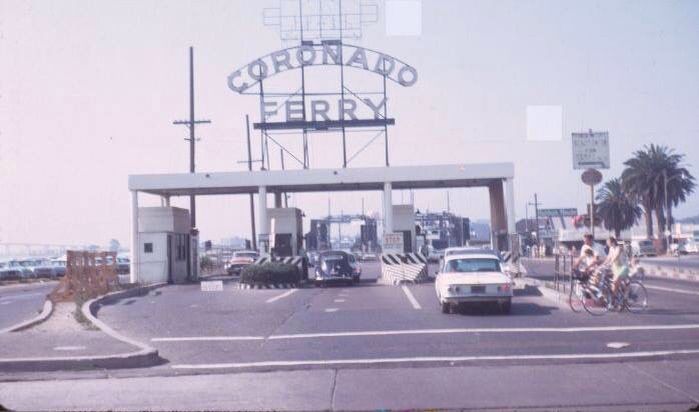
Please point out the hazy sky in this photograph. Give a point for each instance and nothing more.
(88, 92)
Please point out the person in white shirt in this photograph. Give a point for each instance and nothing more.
(591, 256)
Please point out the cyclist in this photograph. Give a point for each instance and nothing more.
(591, 256)
(618, 261)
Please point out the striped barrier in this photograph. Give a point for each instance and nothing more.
(268, 286)
(399, 268)
(298, 261)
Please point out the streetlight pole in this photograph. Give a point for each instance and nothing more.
(668, 233)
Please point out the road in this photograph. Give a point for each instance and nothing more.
(374, 324)
(22, 302)
(383, 347)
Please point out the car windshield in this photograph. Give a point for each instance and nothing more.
(472, 265)
(245, 254)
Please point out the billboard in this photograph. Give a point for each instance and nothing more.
(591, 150)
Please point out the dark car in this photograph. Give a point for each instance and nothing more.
(333, 268)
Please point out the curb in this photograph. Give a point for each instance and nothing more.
(550, 294)
(45, 313)
(144, 357)
(665, 272)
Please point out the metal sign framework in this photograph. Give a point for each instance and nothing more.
(320, 52)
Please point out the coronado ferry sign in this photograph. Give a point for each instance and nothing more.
(326, 53)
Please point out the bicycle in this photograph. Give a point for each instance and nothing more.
(598, 299)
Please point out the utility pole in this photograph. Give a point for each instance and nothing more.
(192, 139)
(252, 197)
(536, 217)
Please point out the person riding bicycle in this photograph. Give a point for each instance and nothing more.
(591, 256)
(618, 261)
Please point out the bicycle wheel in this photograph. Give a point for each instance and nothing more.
(636, 297)
(575, 297)
(596, 302)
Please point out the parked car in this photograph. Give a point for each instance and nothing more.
(476, 278)
(11, 270)
(684, 247)
(45, 268)
(60, 264)
(240, 259)
(123, 264)
(334, 267)
(643, 247)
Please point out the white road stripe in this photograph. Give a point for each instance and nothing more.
(207, 338)
(282, 296)
(411, 298)
(428, 332)
(683, 291)
(338, 300)
(330, 310)
(484, 330)
(578, 356)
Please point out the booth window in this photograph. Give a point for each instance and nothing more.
(148, 248)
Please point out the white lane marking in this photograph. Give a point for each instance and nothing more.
(69, 348)
(411, 298)
(618, 345)
(338, 300)
(484, 330)
(426, 332)
(7, 302)
(330, 310)
(645, 354)
(282, 296)
(207, 338)
(685, 292)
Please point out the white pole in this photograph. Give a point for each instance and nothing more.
(263, 224)
(133, 276)
(387, 208)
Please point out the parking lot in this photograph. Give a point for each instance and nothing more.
(376, 324)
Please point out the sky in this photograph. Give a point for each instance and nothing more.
(89, 90)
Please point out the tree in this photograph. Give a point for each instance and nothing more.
(645, 178)
(114, 245)
(617, 209)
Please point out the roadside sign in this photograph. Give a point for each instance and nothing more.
(392, 243)
(590, 150)
(567, 212)
(211, 286)
(591, 177)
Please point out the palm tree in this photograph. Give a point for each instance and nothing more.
(645, 178)
(617, 209)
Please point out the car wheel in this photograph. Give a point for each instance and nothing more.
(506, 306)
(446, 308)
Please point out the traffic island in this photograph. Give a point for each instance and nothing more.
(67, 335)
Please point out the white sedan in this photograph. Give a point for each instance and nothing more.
(473, 278)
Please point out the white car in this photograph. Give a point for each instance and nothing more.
(477, 278)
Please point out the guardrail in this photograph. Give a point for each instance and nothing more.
(563, 272)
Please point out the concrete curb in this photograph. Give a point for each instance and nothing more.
(560, 299)
(45, 313)
(667, 272)
(145, 355)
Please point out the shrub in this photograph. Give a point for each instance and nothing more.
(270, 273)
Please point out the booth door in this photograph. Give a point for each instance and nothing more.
(282, 244)
(407, 241)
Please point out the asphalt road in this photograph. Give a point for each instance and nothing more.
(373, 347)
(22, 302)
(372, 324)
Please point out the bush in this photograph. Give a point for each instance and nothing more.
(270, 273)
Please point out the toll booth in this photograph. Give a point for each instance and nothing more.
(404, 222)
(286, 231)
(164, 245)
